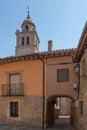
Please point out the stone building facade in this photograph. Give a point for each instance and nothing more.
(80, 105)
(27, 39)
(32, 81)
(21, 98)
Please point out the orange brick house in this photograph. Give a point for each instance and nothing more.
(31, 81)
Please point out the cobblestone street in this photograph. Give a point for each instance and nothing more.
(61, 124)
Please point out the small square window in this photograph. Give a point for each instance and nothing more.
(13, 109)
(63, 75)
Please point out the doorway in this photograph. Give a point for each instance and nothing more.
(58, 110)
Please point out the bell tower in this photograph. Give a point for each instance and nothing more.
(27, 41)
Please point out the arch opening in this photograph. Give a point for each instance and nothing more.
(58, 108)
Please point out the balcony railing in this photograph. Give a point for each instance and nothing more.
(12, 90)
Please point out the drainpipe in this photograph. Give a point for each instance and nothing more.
(43, 120)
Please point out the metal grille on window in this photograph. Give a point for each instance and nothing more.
(14, 109)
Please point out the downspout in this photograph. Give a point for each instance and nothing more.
(43, 96)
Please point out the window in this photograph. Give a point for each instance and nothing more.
(22, 40)
(13, 109)
(27, 40)
(83, 68)
(14, 84)
(26, 28)
(63, 75)
(81, 107)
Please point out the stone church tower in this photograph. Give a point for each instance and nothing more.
(27, 41)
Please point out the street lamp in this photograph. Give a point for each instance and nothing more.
(77, 68)
(77, 71)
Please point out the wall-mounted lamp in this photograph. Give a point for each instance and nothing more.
(75, 86)
(77, 68)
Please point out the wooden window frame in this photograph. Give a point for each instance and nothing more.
(60, 72)
(14, 72)
(14, 109)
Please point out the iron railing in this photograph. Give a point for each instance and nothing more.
(12, 89)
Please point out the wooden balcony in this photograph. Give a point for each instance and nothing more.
(12, 90)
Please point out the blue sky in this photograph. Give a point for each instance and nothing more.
(59, 20)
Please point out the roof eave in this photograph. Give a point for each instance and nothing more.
(80, 40)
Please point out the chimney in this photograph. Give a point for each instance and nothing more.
(50, 45)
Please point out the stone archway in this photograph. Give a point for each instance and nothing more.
(50, 109)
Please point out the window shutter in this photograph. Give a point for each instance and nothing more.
(63, 75)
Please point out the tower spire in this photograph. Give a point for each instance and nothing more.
(27, 39)
(28, 16)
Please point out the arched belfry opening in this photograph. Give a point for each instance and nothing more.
(58, 108)
(27, 40)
